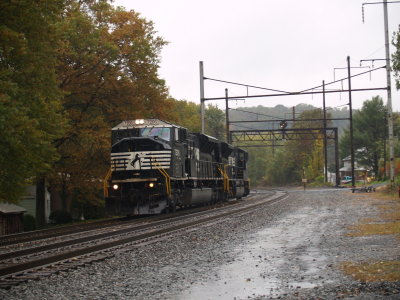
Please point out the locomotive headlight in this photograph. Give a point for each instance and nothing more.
(115, 187)
(139, 122)
(151, 184)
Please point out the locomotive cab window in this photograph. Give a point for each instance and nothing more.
(132, 146)
(117, 135)
(161, 132)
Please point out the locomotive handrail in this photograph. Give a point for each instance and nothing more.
(105, 182)
(167, 177)
(226, 177)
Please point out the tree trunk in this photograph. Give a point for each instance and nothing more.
(41, 200)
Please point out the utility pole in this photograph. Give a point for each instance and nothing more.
(353, 181)
(337, 157)
(202, 108)
(389, 93)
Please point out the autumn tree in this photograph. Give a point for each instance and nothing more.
(30, 112)
(107, 71)
(185, 114)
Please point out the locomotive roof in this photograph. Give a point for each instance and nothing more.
(141, 123)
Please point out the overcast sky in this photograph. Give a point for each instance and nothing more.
(283, 45)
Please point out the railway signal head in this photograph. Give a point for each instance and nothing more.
(282, 124)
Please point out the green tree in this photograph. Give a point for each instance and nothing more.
(396, 57)
(30, 112)
(185, 114)
(285, 165)
(215, 122)
(369, 126)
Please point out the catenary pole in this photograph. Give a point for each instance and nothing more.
(202, 108)
(228, 140)
(325, 139)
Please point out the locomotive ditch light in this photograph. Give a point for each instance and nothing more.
(115, 187)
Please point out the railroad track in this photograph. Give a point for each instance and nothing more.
(28, 263)
(36, 235)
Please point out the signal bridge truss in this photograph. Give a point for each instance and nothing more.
(277, 137)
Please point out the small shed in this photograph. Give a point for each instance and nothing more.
(11, 218)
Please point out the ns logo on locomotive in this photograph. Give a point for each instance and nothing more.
(157, 166)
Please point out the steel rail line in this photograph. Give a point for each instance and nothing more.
(37, 235)
(9, 275)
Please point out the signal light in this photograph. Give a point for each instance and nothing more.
(115, 186)
(151, 184)
(282, 124)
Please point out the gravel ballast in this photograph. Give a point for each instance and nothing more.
(292, 249)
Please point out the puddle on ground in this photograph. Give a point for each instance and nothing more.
(271, 262)
(238, 279)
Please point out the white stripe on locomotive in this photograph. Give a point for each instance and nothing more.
(128, 161)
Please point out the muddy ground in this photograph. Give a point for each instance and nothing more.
(314, 244)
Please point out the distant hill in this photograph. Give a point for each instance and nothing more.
(281, 112)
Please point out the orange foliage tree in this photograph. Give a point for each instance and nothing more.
(107, 72)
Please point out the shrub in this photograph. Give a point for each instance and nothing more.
(29, 223)
(60, 217)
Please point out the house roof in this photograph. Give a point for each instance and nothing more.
(8, 208)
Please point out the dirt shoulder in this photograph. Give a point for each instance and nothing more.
(320, 244)
(369, 250)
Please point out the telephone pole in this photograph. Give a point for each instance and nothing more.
(389, 94)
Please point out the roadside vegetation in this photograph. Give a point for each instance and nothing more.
(387, 222)
(69, 72)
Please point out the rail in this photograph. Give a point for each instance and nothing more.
(23, 265)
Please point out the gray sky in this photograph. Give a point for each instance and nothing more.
(283, 45)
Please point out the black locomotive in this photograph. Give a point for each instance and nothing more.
(157, 166)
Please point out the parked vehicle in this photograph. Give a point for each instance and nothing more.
(346, 179)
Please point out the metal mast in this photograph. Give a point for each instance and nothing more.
(202, 108)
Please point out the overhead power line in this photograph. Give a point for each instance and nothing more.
(247, 85)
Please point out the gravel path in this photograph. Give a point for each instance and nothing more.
(290, 250)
